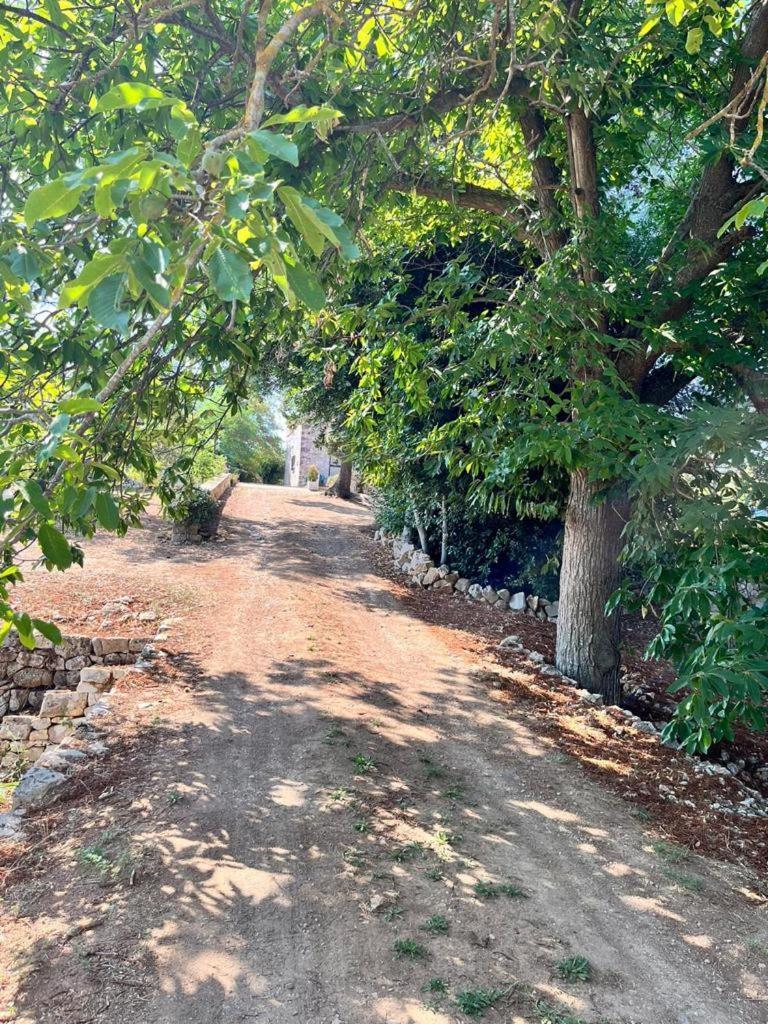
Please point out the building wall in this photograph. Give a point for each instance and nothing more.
(303, 451)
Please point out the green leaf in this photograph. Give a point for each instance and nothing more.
(306, 287)
(79, 404)
(25, 265)
(189, 146)
(56, 199)
(236, 205)
(230, 276)
(104, 303)
(48, 630)
(276, 145)
(323, 118)
(54, 546)
(101, 266)
(106, 510)
(694, 39)
(133, 94)
(649, 26)
(33, 492)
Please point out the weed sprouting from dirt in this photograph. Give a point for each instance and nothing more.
(574, 968)
(436, 925)
(475, 1001)
(363, 764)
(672, 853)
(548, 1014)
(691, 883)
(361, 826)
(409, 949)
(435, 986)
(434, 874)
(407, 852)
(492, 890)
(392, 914)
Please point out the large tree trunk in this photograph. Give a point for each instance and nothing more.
(443, 532)
(587, 638)
(344, 480)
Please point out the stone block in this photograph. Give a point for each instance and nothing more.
(38, 788)
(553, 609)
(430, 577)
(443, 585)
(57, 733)
(63, 704)
(77, 663)
(97, 676)
(452, 578)
(30, 677)
(517, 602)
(110, 645)
(38, 738)
(532, 601)
(462, 585)
(443, 571)
(16, 727)
(490, 595)
(135, 645)
(503, 595)
(475, 591)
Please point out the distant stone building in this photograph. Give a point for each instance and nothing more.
(302, 451)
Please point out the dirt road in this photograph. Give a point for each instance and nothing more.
(339, 776)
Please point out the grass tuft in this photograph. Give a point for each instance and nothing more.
(436, 925)
(574, 968)
(691, 883)
(492, 890)
(672, 853)
(409, 949)
(475, 1001)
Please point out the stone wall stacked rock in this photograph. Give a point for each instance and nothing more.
(423, 571)
(26, 675)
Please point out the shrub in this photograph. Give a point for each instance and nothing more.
(194, 505)
(313, 473)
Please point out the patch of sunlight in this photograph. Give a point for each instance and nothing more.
(553, 993)
(754, 987)
(408, 1011)
(606, 765)
(618, 870)
(700, 941)
(587, 847)
(598, 833)
(288, 794)
(551, 813)
(650, 905)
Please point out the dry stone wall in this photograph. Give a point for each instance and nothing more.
(45, 692)
(423, 571)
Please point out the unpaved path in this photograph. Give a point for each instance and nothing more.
(278, 870)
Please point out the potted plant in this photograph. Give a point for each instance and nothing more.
(313, 475)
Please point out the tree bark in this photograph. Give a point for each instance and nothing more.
(420, 530)
(344, 480)
(588, 639)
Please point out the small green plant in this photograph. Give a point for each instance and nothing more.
(672, 853)
(173, 796)
(363, 764)
(342, 793)
(434, 874)
(409, 851)
(491, 890)
(193, 505)
(94, 857)
(333, 734)
(453, 793)
(475, 1001)
(444, 839)
(432, 770)
(574, 968)
(435, 986)
(361, 826)
(548, 1014)
(392, 914)
(313, 473)
(408, 949)
(642, 815)
(353, 857)
(436, 925)
(691, 883)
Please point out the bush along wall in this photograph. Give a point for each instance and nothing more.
(422, 570)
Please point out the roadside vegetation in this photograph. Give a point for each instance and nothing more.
(513, 256)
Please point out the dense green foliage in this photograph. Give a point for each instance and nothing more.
(560, 214)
